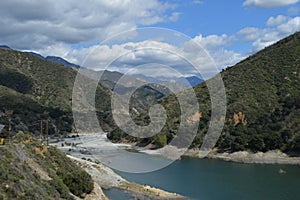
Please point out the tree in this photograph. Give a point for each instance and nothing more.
(257, 143)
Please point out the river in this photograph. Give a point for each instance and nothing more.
(215, 179)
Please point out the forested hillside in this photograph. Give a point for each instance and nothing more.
(263, 103)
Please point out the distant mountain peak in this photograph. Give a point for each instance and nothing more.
(185, 81)
(36, 55)
(59, 60)
(4, 47)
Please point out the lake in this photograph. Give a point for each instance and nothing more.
(191, 177)
(214, 179)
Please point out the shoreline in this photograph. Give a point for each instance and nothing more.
(246, 157)
(106, 178)
(174, 153)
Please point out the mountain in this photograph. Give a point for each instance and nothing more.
(55, 59)
(263, 103)
(194, 80)
(59, 60)
(4, 47)
(180, 81)
(150, 79)
(264, 89)
(36, 89)
(111, 78)
(36, 54)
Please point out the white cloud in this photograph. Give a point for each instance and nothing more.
(250, 34)
(291, 26)
(174, 17)
(35, 24)
(274, 21)
(261, 38)
(127, 56)
(269, 3)
(52, 29)
(216, 47)
(212, 40)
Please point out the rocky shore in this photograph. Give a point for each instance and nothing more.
(106, 178)
(270, 157)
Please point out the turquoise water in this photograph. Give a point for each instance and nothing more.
(214, 179)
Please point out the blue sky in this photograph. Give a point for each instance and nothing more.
(223, 16)
(229, 30)
(218, 17)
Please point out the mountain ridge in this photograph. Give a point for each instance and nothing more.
(263, 109)
(262, 100)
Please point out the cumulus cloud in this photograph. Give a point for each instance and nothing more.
(250, 34)
(212, 40)
(269, 3)
(216, 45)
(54, 29)
(274, 21)
(291, 26)
(282, 26)
(127, 56)
(185, 58)
(36, 24)
(124, 56)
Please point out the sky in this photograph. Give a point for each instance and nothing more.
(228, 30)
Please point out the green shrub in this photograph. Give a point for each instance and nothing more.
(77, 180)
(63, 190)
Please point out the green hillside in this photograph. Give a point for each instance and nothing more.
(35, 89)
(263, 101)
(266, 89)
(30, 170)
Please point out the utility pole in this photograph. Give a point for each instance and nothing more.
(2, 140)
(9, 128)
(41, 130)
(47, 126)
(8, 113)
